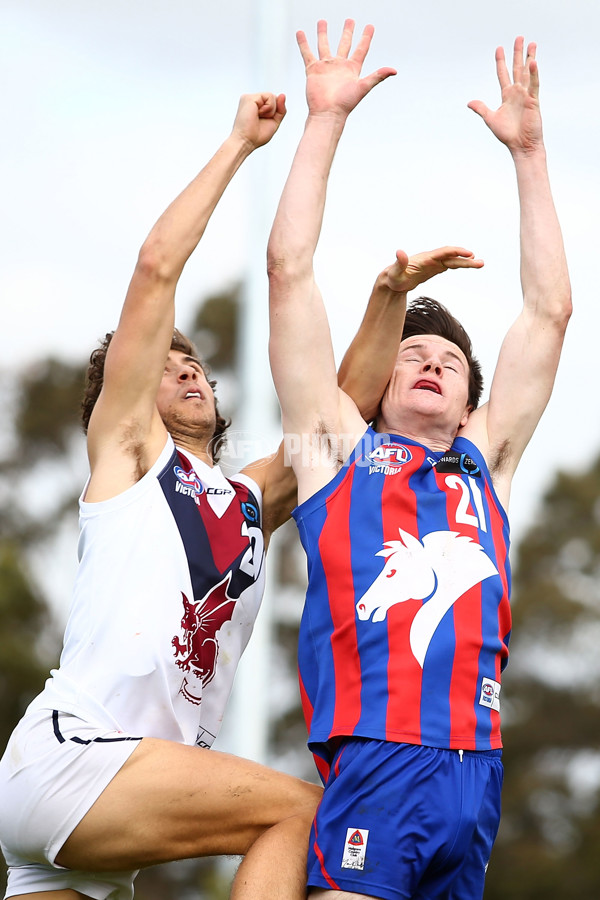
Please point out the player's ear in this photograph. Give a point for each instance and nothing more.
(465, 415)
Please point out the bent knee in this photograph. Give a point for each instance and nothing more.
(303, 804)
(310, 796)
(289, 813)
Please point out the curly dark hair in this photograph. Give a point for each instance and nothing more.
(95, 378)
(426, 316)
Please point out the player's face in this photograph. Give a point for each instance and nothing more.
(185, 397)
(431, 379)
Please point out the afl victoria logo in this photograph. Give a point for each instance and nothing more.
(392, 455)
(189, 480)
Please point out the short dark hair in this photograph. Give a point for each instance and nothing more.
(426, 316)
(95, 379)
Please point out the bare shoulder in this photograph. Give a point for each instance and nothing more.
(495, 448)
(276, 480)
(475, 430)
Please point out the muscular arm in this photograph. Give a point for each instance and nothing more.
(126, 434)
(369, 361)
(300, 345)
(530, 353)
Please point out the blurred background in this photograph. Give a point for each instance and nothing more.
(108, 110)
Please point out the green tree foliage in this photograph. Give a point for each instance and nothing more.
(48, 408)
(23, 617)
(215, 328)
(547, 847)
(44, 414)
(46, 439)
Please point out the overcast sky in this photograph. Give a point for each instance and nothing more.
(109, 108)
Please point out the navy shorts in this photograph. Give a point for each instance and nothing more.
(405, 821)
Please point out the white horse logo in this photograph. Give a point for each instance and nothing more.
(442, 568)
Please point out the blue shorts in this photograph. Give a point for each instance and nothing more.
(405, 821)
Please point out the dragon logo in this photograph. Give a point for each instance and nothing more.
(199, 648)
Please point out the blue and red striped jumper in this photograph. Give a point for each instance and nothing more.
(407, 618)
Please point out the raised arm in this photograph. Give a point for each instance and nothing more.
(126, 433)
(300, 345)
(368, 363)
(530, 353)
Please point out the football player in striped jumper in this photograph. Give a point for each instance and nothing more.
(406, 624)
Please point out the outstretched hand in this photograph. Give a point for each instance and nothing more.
(258, 117)
(333, 83)
(517, 122)
(408, 272)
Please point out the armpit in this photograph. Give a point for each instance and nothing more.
(500, 458)
(329, 444)
(133, 445)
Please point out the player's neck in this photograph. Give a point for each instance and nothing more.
(421, 430)
(198, 447)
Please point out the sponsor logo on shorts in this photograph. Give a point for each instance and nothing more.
(490, 694)
(388, 459)
(355, 848)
